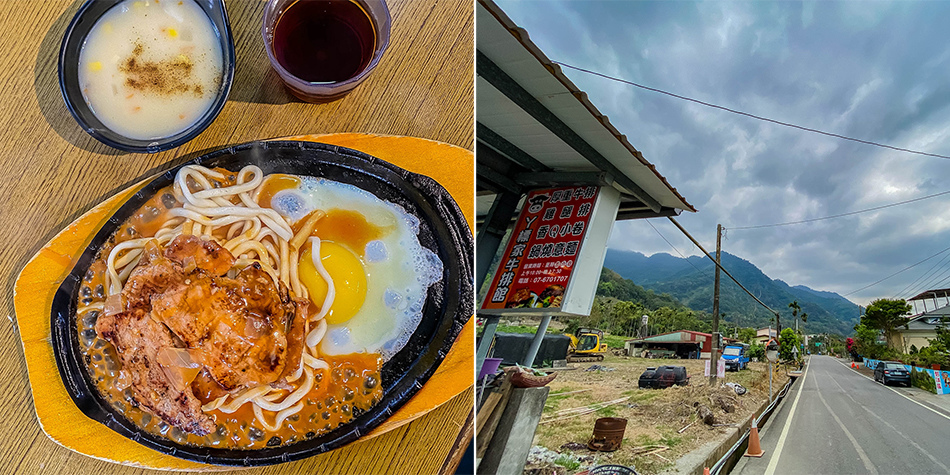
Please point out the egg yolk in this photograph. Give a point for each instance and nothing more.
(347, 273)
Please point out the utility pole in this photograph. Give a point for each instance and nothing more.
(714, 356)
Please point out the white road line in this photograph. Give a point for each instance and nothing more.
(911, 441)
(773, 462)
(902, 395)
(864, 457)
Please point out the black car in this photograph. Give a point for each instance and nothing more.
(663, 377)
(891, 372)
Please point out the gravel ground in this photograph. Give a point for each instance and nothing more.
(654, 416)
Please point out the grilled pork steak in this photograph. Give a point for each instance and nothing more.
(233, 330)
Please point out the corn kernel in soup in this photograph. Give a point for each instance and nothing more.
(150, 69)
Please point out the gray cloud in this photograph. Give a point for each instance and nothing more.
(876, 71)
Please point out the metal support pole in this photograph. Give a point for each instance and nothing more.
(489, 239)
(491, 232)
(491, 323)
(536, 343)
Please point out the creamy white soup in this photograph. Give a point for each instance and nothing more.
(151, 68)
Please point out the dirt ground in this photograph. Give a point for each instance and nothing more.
(654, 416)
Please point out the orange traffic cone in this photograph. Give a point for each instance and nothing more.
(755, 449)
(705, 470)
(853, 366)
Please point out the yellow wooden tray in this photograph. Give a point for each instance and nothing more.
(33, 292)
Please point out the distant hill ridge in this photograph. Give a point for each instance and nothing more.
(690, 281)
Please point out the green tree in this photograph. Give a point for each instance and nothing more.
(797, 313)
(886, 315)
(787, 340)
(747, 335)
(757, 351)
(865, 339)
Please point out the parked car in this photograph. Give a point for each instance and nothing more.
(891, 372)
(735, 356)
(663, 377)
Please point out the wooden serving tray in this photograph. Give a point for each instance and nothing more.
(33, 292)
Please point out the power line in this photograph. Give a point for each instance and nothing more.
(766, 119)
(850, 213)
(723, 269)
(922, 280)
(898, 272)
(935, 281)
(674, 247)
(928, 278)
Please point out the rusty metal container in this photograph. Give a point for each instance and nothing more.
(608, 434)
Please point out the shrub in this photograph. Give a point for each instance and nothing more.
(922, 380)
(757, 351)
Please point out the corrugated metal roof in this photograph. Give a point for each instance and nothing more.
(679, 336)
(509, 47)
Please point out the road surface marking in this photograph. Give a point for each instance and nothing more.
(918, 447)
(902, 395)
(773, 462)
(864, 457)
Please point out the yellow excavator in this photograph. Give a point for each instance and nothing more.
(586, 346)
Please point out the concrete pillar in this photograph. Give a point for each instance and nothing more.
(508, 449)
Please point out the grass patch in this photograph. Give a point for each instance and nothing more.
(644, 396)
(643, 440)
(670, 440)
(516, 329)
(609, 411)
(567, 462)
(615, 341)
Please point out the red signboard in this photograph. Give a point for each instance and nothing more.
(537, 264)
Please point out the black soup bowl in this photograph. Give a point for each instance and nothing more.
(448, 306)
(87, 16)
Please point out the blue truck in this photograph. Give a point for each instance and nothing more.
(736, 356)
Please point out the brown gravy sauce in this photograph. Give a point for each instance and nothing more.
(349, 387)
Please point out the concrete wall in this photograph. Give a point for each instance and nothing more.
(508, 449)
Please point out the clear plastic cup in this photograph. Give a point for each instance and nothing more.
(308, 91)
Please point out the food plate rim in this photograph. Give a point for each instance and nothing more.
(453, 298)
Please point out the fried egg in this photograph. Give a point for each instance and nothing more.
(370, 250)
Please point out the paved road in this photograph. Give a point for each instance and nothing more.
(842, 422)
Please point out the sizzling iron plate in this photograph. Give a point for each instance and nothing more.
(449, 304)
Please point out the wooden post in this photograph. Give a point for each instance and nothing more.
(714, 355)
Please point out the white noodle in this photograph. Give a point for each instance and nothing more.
(291, 398)
(279, 420)
(315, 362)
(315, 335)
(331, 290)
(243, 398)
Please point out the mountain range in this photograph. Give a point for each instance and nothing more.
(691, 281)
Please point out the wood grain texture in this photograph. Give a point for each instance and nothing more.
(53, 172)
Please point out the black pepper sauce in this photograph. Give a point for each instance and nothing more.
(349, 387)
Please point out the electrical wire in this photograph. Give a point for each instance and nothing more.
(927, 280)
(850, 213)
(674, 247)
(898, 272)
(933, 283)
(746, 114)
(723, 269)
(923, 278)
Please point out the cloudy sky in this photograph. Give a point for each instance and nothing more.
(877, 71)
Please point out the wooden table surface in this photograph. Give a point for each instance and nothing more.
(52, 172)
